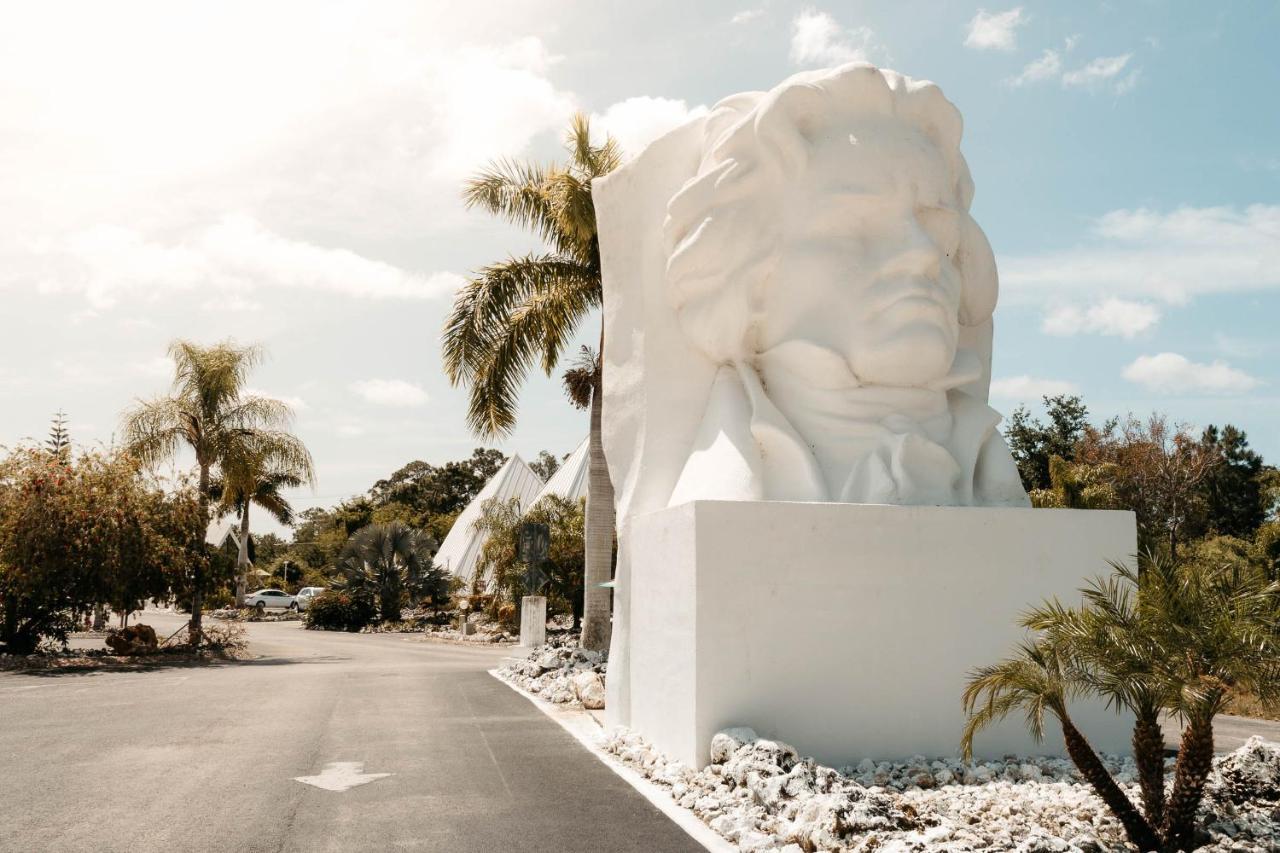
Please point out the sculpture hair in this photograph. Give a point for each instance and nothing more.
(721, 249)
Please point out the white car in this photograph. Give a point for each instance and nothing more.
(306, 594)
(270, 598)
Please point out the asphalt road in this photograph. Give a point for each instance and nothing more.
(204, 758)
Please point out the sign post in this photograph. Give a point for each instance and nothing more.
(532, 544)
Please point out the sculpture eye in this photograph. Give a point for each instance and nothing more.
(942, 224)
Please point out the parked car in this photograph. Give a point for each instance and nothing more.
(270, 598)
(306, 594)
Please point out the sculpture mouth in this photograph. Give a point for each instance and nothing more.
(924, 298)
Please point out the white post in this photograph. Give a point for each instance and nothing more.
(533, 621)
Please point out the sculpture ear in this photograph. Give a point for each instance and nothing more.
(977, 265)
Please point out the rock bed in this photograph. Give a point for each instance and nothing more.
(561, 673)
(762, 796)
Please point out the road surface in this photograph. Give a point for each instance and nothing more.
(205, 758)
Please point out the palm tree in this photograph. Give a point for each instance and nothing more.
(208, 412)
(1177, 638)
(269, 462)
(525, 311)
(387, 561)
(1036, 680)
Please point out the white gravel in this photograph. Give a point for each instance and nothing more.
(762, 796)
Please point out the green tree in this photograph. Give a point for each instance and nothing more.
(80, 531)
(1034, 442)
(525, 311)
(207, 411)
(256, 470)
(59, 441)
(390, 562)
(1179, 638)
(1233, 485)
(546, 465)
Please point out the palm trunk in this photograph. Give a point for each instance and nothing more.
(197, 574)
(597, 600)
(1093, 771)
(1148, 754)
(242, 555)
(1195, 761)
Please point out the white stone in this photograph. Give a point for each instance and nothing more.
(847, 630)
(589, 688)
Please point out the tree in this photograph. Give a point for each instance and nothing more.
(389, 562)
(59, 441)
(546, 465)
(209, 412)
(1078, 485)
(1158, 470)
(1233, 485)
(1033, 442)
(257, 469)
(1178, 638)
(526, 310)
(76, 532)
(499, 564)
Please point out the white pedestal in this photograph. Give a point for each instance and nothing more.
(533, 621)
(846, 630)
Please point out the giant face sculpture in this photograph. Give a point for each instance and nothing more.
(833, 297)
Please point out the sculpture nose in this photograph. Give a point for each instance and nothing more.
(916, 255)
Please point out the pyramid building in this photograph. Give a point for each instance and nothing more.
(461, 548)
(570, 479)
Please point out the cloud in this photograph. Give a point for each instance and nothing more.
(994, 30)
(234, 257)
(636, 122)
(390, 392)
(746, 16)
(1170, 373)
(1119, 317)
(1096, 72)
(1026, 387)
(1168, 256)
(817, 39)
(294, 402)
(1047, 67)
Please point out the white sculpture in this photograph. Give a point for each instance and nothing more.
(812, 319)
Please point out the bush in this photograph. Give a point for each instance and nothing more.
(217, 600)
(340, 611)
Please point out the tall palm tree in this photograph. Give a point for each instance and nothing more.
(269, 462)
(525, 311)
(387, 561)
(208, 412)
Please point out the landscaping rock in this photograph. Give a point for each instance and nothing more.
(588, 686)
(137, 639)
(561, 674)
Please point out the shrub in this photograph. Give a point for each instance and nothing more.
(340, 611)
(225, 639)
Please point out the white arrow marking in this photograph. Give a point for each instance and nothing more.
(341, 776)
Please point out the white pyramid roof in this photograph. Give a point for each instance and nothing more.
(461, 548)
(570, 479)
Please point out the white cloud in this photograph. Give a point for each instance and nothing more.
(1030, 388)
(1119, 317)
(1047, 67)
(818, 39)
(233, 257)
(1096, 72)
(1169, 256)
(390, 392)
(746, 16)
(994, 30)
(1171, 373)
(292, 401)
(160, 367)
(638, 121)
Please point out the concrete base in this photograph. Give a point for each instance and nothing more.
(846, 630)
(533, 621)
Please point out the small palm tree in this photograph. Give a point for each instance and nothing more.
(388, 561)
(525, 311)
(1034, 681)
(269, 463)
(1175, 638)
(208, 412)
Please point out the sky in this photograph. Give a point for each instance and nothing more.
(288, 174)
